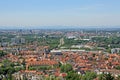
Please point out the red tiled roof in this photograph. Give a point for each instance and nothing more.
(42, 62)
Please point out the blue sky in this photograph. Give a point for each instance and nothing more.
(59, 12)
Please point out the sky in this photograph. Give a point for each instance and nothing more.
(59, 12)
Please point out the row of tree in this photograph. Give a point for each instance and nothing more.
(113, 42)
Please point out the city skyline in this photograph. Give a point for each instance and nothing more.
(59, 13)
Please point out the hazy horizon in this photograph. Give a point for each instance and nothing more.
(85, 13)
(59, 27)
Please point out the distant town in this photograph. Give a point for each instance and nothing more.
(60, 54)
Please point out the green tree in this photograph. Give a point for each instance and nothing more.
(72, 76)
(2, 53)
(101, 77)
(106, 77)
(89, 76)
(66, 68)
(117, 67)
(109, 77)
(7, 69)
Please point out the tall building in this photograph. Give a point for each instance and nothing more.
(17, 40)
